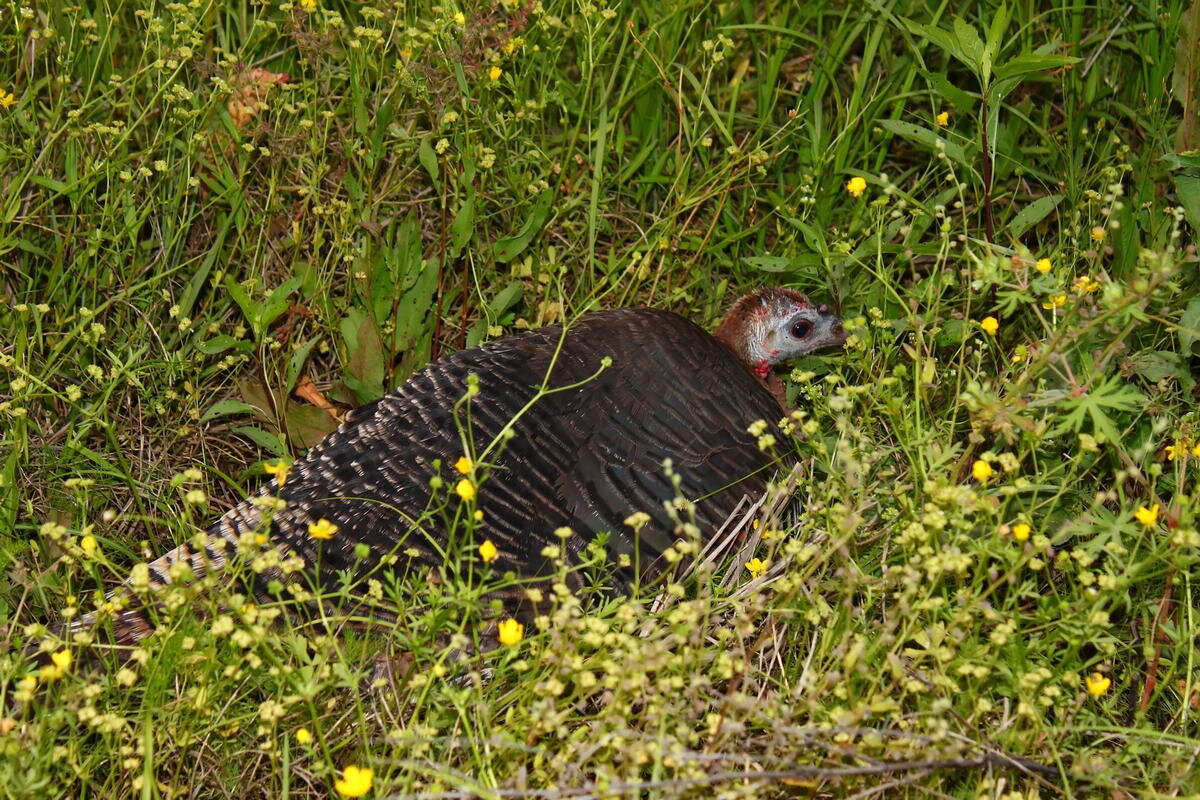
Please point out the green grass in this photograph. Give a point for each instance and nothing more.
(177, 262)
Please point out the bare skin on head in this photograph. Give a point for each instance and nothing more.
(772, 326)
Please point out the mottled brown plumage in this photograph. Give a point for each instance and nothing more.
(585, 458)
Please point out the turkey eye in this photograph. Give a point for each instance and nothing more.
(801, 328)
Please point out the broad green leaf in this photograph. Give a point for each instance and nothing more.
(768, 263)
(1189, 328)
(463, 227)
(307, 425)
(271, 442)
(510, 247)
(922, 135)
(227, 407)
(296, 362)
(278, 302)
(1022, 65)
(962, 101)
(428, 159)
(249, 309)
(366, 363)
(1188, 189)
(223, 342)
(970, 44)
(506, 298)
(1032, 214)
(943, 39)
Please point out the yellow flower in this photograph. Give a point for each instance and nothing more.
(1174, 451)
(1020, 354)
(757, 567)
(494, 73)
(982, 471)
(465, 489)
(88, 544)
(7, 99)
(279, 469)
(488, 552)
(322, 529)
(355, 781)
(1020, 531)
(60, 662)
(460, 18)
(1043, 265)
(1098, 234)
(1097, 684)
(511, 632)
(990, 325)
(1085, 284)
(1196, 450)
(1147, 516)
(464, 465)
(856, 186)
(303, 736)
(943, 118)
(1055, 301)
(308, 5)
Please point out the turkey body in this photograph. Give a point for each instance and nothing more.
(585, 457)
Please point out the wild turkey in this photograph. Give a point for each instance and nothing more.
(586, 457)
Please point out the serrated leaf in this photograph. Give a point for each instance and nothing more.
(1032, 214)
(1097, 405)
(960, 100)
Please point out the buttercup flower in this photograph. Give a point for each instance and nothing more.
(1097, 684)
(464, 465)
(943, 118)
(488, 552)
(7, 99)
(1055, 301)
(511, 632)
(279, 469)
(322, 529)
(494, 73)
(355, 781)
(303, 736)
(856, 186)
(982, 471)
(1098, 234)
(990, 325)
(1043, 265)
(1020, 531)
(756, 567)
(465, 489)
(1147, 516)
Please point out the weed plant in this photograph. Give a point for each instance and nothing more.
(221, 221)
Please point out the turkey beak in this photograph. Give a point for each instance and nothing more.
(836, 333)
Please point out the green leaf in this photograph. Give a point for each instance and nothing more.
(463, 227)
(963, 102)
(296, 362)
(219, 344)
(249, 309)
(971, 46)
(943, 39)
(1032, 214)
(923, 135)
(510, 247)
(227, 407)
(1188, 189)
(506, 298)
(768, 263)
(1111, 396)
(271, 442)
(428, 159)
(307, 425)
(366, 363)
(277, 303)
(1023, 65)
(1189, 328)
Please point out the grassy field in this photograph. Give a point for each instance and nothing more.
(213, 214)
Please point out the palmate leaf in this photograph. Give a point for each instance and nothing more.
(1112, 396)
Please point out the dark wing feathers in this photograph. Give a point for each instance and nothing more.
(585, 458)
